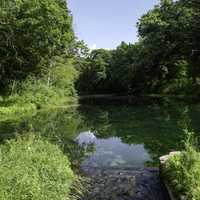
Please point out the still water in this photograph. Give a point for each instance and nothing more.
(113, 152)
(134, 136)
(105, 136)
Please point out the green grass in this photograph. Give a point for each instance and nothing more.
(34, 169)
(16, 111)
(31, 168)
(182, 171)
(54, 89)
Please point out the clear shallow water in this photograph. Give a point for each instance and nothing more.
(107, 136)
(112, 152)
(134, 136)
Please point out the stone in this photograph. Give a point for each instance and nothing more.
(163, 159)
(124, 184)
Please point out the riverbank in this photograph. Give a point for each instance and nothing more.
(27, 171)
(57, 88)
(131, 99)
(25, 138)
(180, 171)
(126, 136)
(20, 125)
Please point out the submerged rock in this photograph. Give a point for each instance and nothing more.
(124, 184)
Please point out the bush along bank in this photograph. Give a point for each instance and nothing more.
(32, 168)
(54, 88)
(181, 171)
(38, 47)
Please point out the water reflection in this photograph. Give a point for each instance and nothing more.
(135, 135)
(59, 126)
(112, 152)
(119, 135)
(86, 138)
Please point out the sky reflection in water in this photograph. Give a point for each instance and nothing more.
(112, 152)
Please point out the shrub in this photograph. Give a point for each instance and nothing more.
(183, 171)
(34, 169)
(16, 112)
(55, 88)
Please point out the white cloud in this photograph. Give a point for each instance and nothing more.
(92, 47)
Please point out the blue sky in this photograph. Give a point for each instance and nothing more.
(105, 23)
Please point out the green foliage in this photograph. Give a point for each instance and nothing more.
(167, 33)
(164, 61)
(183, 171)
(123, 69)
(37, 46)
(16, 111)
(55, 88)
(36, 42)
(180, 83)
(32, 32)
(34, 169)
(93, 71)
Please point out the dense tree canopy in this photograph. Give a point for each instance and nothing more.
(93, 71)
(165, 60)
(168, 33)
(31, 33)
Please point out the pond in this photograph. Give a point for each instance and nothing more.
(127, 136)
(111, 136)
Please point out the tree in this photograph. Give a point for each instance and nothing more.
(123, 68)
(93, 71)
(165, 60)
(169, 32)
(31, 33)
